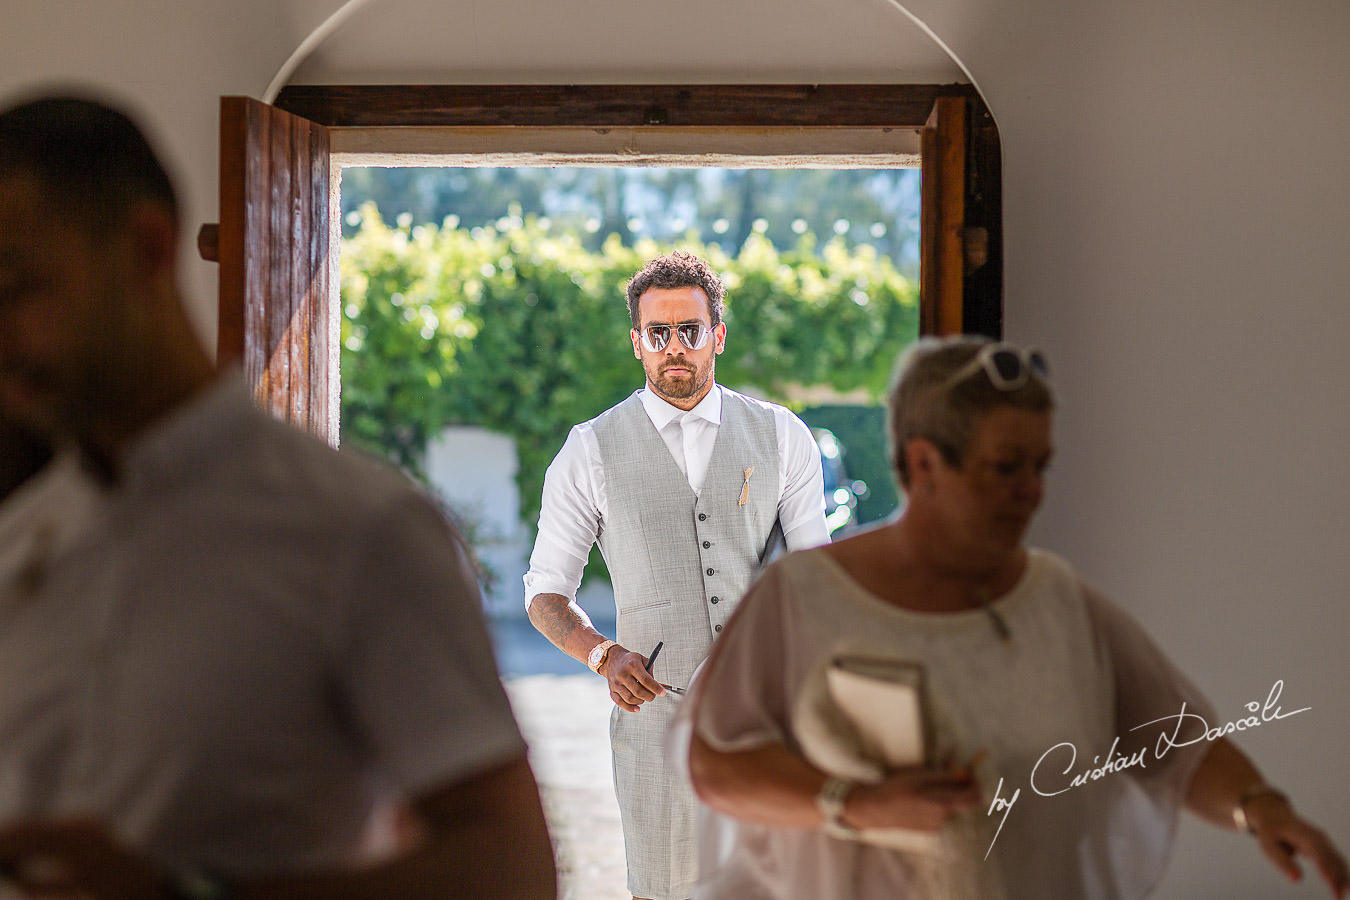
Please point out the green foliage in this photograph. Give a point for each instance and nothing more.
(526, 333)
(798, 319)
(720, 206)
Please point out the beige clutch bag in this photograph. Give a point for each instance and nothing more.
(883, 702)
(865, 717)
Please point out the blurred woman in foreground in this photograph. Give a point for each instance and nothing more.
(931, 710)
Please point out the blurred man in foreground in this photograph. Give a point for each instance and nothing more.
(47, 501)
(266, 653)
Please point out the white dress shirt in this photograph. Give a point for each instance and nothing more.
(575, 504)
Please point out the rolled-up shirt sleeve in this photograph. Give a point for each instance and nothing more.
(570, 517)
(801, 502)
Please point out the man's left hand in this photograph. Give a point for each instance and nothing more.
(75, 858)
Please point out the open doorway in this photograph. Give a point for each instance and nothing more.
(491, 298)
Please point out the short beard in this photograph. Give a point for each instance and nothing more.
(681, 388)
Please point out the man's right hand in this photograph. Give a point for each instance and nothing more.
(630, 684)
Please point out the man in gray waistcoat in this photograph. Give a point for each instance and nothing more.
(681, 485)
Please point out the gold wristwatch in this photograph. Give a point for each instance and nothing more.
(596, 658)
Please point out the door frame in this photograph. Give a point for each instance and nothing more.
(961, 232)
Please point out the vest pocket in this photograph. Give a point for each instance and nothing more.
(653, 583)
(647, 601)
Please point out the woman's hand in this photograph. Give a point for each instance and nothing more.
(920, 799)
(1218, 785)
(1284, 836)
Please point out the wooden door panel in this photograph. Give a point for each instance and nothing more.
(942, 223)
(277, 319)
(961, 231)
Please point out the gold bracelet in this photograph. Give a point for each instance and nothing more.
(1260, 789)
(830, 801)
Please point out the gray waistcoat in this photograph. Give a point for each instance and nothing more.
(679, 564)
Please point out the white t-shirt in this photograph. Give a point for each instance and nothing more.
(266, 645)
(575, 504)
(41, 521)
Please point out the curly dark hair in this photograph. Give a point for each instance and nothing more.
(677, 270)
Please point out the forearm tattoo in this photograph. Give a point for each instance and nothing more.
(559, 620)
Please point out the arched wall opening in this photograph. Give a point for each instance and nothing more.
(278, 235)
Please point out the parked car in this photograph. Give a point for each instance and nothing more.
(841, 492)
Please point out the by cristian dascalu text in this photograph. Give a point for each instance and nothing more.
(1058, 770)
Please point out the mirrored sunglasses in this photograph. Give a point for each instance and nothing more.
(1007, 366)
(692, 334)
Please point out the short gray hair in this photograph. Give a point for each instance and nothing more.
(921, 403)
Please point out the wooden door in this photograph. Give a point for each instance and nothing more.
(961, 245)
(942, 218)
(278, 320)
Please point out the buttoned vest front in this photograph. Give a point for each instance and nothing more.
(679, 563)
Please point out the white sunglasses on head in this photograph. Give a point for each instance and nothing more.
(1007, 366)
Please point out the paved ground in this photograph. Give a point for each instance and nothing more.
(563, 711)
(565, 718)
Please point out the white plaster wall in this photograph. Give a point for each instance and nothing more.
(170, 61)
(620, 41)
(1177, 208)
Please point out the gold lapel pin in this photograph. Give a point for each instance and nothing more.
(745, 488)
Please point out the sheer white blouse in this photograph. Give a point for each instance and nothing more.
(1063, 698)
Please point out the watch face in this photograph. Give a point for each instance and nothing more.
(598, 653)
